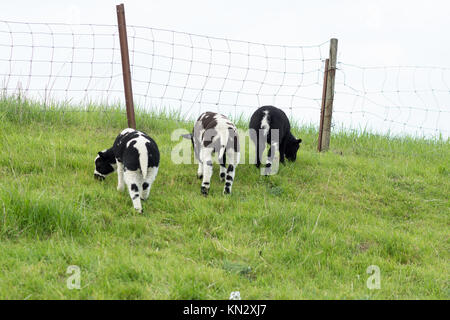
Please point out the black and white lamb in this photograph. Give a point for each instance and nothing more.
(215, 133)
(135, 156)
(270, 125)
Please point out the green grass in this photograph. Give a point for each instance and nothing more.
(309, 232)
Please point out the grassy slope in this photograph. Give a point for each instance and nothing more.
(309, 232)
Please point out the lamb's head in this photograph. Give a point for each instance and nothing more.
(189, 136)
(105, 164)
(292, 146)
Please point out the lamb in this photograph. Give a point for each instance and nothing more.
(214, 132)
(135, 156)
(262, 125)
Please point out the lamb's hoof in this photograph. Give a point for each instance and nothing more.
(222, 176)
(268, 169)
(226, 190)
(204, 191)
(258, 165)
(120, 189)
(99, 177)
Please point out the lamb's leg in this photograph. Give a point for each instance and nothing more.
(200, 170)
(133, 180)
(274, 138)
(271, 155)
(206, 158)
(282, 151)
(223, 167)
(261, 147)
(231, 172)
(200, 163)
(148, 181)
(120, 183)
(259, 139)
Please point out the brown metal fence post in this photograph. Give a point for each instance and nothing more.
(125, 65)
(322, 109)
(328, 111)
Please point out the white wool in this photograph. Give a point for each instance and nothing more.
(265, 123)
(143, 154)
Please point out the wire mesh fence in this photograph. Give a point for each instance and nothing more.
(187, 74)
(398, 99)
(171, 70)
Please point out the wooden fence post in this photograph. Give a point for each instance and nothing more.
(328, 111)
(125, 65)
(322, 109)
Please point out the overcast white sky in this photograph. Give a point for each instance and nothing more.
(406, 32)
(370, 33)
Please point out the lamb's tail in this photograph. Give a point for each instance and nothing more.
(143, 161)
(224, 136)
(265, 126)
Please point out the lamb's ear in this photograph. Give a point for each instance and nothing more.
(100, 154)
(187, 136)
(299, 141)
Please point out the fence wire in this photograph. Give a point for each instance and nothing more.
(186, 74)
(172, 71)
(397, 99)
